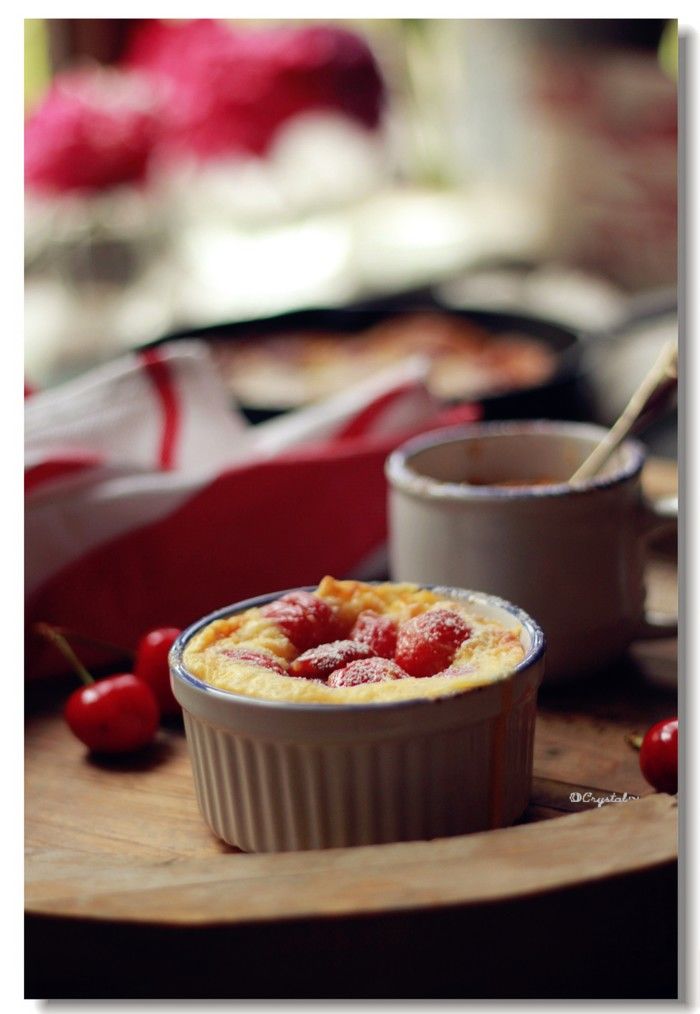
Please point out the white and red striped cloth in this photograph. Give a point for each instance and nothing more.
(150, 501)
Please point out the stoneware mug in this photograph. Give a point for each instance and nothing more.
(571, 555)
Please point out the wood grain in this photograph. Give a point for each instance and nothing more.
(482, 867)
(123, 839)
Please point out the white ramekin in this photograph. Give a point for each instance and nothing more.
(272, 776)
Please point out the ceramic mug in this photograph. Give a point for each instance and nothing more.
(572, 556)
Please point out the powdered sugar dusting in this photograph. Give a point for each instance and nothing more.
(427, 644)
(458, 669)
(366, 670)
(376, 630)
(458, 647)
(317, 663)
(257, 657)
(305, 618)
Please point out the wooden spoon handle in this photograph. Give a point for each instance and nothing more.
(647, 402)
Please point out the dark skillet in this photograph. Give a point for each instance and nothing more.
(566, 395)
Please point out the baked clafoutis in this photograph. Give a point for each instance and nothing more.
(349, 642)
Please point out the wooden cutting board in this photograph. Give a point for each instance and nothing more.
(134, 827)
(121, 840)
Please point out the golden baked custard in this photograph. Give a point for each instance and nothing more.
(350, 642)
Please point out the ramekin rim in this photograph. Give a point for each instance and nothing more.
(536, 651)
(401, 476)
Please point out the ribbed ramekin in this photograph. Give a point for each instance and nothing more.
(272, 776)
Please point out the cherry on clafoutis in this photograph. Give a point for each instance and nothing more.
(117, 714)
(427, 643)
(305, 619)
(151, 665)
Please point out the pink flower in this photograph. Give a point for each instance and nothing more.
(168, 49)
(93, 130)
(229, 91)
(326, 67)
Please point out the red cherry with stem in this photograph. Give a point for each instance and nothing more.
(114, 715)
(151, 665)
(117, 714)
(658, 756)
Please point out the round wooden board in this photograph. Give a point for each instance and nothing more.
(129, 845)
(122, 840)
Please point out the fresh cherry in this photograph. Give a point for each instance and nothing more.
(114, 715)
(427, 643)
(658, 756)
(151, 666)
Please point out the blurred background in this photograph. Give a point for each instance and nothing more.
(516, 176)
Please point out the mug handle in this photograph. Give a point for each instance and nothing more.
(659, 516)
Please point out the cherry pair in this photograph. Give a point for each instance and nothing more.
(120, 713)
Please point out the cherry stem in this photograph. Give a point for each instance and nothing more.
(634, 741)
(59, 641)
(75, 635)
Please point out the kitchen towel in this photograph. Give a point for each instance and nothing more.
(150, 500)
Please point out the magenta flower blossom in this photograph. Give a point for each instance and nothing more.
(228, 91)
(93, 130)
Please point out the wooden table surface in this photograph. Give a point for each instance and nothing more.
(118, 856)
